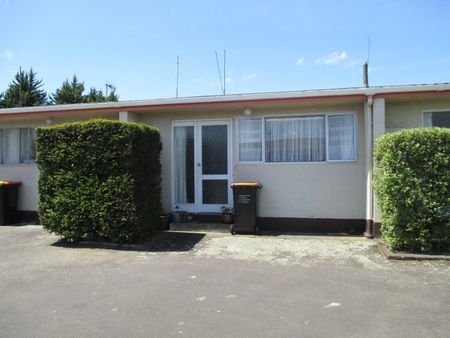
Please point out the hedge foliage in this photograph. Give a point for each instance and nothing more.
(412, 183)
(99, 180)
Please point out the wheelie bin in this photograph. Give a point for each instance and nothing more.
(9, 193)
(245, 207)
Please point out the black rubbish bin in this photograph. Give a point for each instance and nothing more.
(245, 207)
(9, 193)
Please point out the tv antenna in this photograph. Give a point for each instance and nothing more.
(20, 87)
(366, 66)
(222, 82)
(110, 86)
(178, 74)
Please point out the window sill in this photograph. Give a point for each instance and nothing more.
(295, 163)
(18, 164)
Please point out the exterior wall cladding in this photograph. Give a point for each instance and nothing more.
(311, 197)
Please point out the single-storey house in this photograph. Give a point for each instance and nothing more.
(311, 150)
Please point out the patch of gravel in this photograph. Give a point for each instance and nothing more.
(289, 249)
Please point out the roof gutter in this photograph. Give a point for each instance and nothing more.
(193, 105)
(230, 101)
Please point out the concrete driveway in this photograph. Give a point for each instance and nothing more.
(217, 285)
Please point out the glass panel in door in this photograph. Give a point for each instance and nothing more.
(214, 150)
(214, 176)
(184, 167)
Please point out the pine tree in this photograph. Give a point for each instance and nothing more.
(96, 95)
(25, 91)
(69, 92)
(73, 92)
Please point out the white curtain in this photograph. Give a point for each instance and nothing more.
(180, 164)
(181, 135)
(341, 137)
(250, 140)
(27, 152)
(295, 139)
(9, 146)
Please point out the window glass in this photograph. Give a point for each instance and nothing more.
(250, 139)
(9, 145)
(184, 164)
(27, 151)
(437, 119)
(17, 145)
(299, 139)
(215, 191)
(341, 137)
(215, 150)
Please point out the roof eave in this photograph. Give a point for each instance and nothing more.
(233, 100)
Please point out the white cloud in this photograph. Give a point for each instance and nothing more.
(300, 61)
(6, 54)
(248, 77)
(333, 58)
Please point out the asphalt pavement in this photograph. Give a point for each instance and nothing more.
(217, 285)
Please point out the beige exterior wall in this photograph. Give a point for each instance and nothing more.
(310, 190)
(28, 175)
(318, 190)
(401, 114)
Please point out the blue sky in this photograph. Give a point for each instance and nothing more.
(271, 45)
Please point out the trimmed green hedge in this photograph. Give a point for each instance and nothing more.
(412, 183)
(99, 180)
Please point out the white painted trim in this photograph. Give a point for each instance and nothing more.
(355, 136)
(294, 116)
(200, 207)
(197, 124)
(190, 121)
(189, 207)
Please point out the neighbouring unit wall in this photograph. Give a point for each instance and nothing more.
(28, 174)
(408, 113)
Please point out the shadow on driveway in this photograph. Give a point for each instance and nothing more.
(162, 242)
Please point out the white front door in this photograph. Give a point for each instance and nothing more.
(202, 165)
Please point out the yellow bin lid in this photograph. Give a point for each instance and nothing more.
(10, 183)
(247, 184)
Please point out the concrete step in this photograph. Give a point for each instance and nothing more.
(200, 227)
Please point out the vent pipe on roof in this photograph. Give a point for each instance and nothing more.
(366, 74)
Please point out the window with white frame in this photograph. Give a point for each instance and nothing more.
(295, 139)
(437, 119)
(341, 137)
(17, 145)
(250, 140)
(318, 138)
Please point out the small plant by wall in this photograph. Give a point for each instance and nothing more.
(412, 183)
(99, 180)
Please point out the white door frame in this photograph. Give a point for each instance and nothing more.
(198, 206)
